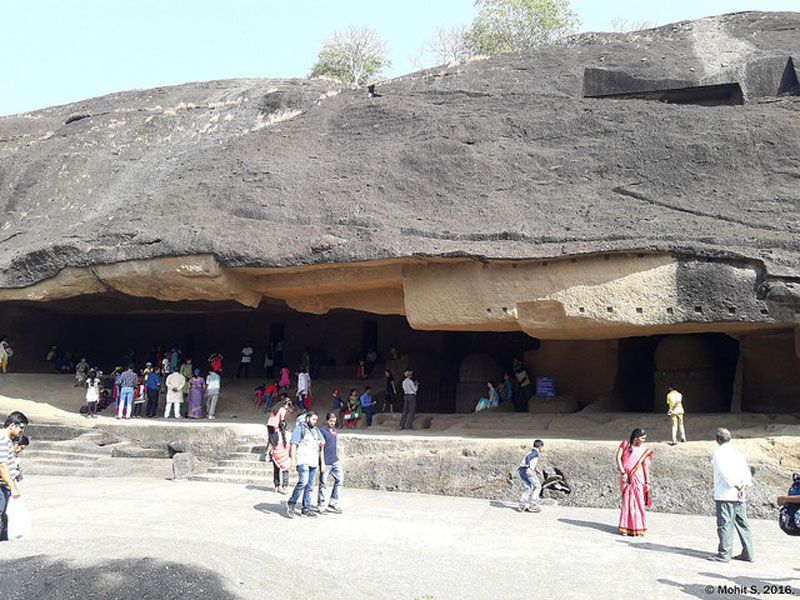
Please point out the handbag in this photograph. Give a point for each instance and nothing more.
(648, 501)
(19, 524)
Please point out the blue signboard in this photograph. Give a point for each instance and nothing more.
(545, 387)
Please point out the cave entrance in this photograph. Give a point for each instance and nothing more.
(757, 371)
(632, 374)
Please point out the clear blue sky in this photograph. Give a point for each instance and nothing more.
(59, 51)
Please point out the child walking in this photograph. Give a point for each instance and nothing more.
(92, 394)
(527, 472)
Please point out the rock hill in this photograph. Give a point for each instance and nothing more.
(680, 140)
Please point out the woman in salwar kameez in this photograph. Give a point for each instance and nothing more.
(197, 386)
(633, 463)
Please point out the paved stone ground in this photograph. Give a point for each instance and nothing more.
(130, 538)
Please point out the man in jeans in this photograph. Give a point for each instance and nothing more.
(152, 384)
(306, 453)
(127, 382)
(330, 466)
(12, 429)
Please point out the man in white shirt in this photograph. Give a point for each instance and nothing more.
(731, 479)
(174, 384)
(244, 363)
(410, 388)
(303, 389)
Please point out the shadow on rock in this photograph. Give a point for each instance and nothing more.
(592, 525)
(43, 578)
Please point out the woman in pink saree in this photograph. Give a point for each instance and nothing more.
(633, 462)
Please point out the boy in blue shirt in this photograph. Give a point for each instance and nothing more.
(528, 474)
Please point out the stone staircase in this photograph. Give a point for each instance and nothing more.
(59, 451)
(247, 464)
(84, 456)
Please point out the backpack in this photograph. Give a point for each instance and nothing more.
(789, 517)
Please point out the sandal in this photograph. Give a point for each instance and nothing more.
(717, 558)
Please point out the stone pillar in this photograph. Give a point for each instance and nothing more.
(738, 379)
(797, 340)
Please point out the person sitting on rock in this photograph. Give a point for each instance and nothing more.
(490, 402)
(353, 411)
(367, 405)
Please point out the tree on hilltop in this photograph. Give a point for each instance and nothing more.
(445, 46)
(623, 25)
(510, 25)
(355, 56)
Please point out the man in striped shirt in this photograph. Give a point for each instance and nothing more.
(14, 425)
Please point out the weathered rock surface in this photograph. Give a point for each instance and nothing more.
(503, 158)
(183, 463)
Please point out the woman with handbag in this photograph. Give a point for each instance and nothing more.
(633, 463)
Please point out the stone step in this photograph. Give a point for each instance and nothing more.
(232, 478)
(242, 471)
(50, 431)
(244, 455)
(72, 471)
(85, 447)
(243, 464)
(255, 449)
(60, 464)
(38, 455)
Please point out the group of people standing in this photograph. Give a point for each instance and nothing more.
(312, 451)
(131, 391)
(732, 477)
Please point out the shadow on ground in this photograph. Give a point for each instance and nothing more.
(271, 508)
(722, 586)
(258, 488)
(672, 549)
(42, 578)
(592, 525)
(498, 504)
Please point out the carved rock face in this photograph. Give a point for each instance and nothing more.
(298, 191)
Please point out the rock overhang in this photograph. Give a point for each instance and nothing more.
(500, 160)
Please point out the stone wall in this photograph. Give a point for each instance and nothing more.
(682, 477)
